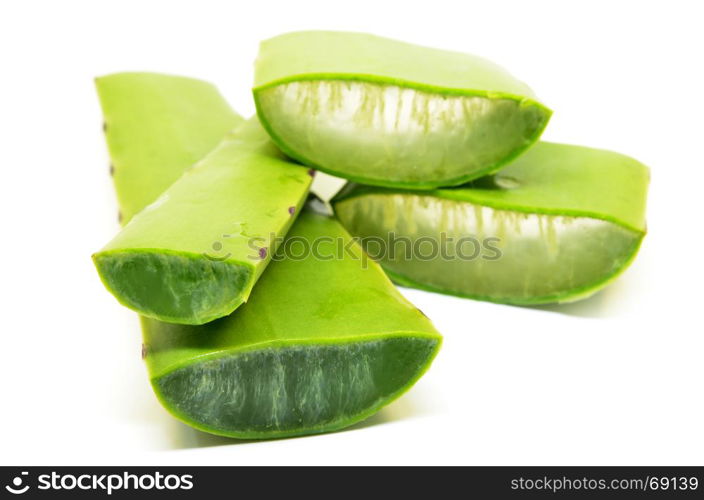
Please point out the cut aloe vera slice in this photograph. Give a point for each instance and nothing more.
(323, 342)
(320, 345)
(195, 253)
(388, 113)
(147, 116)
(556, 225)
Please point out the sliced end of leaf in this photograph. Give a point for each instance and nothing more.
(294, 389)
(172, 287)
(398, 135)
(465, 249)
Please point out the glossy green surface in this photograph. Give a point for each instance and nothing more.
(556, 225)
(147, 117)
(195, 253)
(322, 343)
(388, 113)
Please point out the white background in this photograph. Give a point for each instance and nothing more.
(616, 379)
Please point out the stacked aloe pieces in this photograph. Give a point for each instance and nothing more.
(440, 148)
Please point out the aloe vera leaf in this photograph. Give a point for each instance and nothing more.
(147, 116)
(388, 113)
(195, 253)
(326, 321)
(556, 225)
(321, 344)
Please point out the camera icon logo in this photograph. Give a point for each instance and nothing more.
(17, 488)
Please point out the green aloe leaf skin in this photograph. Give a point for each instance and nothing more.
(147, 116)
(195, 253)
(320, 344)
(387, 113)
(556, 225)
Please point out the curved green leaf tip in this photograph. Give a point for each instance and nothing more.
(388, 113)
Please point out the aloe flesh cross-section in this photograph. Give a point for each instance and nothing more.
(321, 344)
(149, 127)
(556, 225)
(336, 351)
(195, 253)
(388, 113)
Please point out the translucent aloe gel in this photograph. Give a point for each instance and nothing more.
(384, 112)
(318, 346)
(556, 225)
